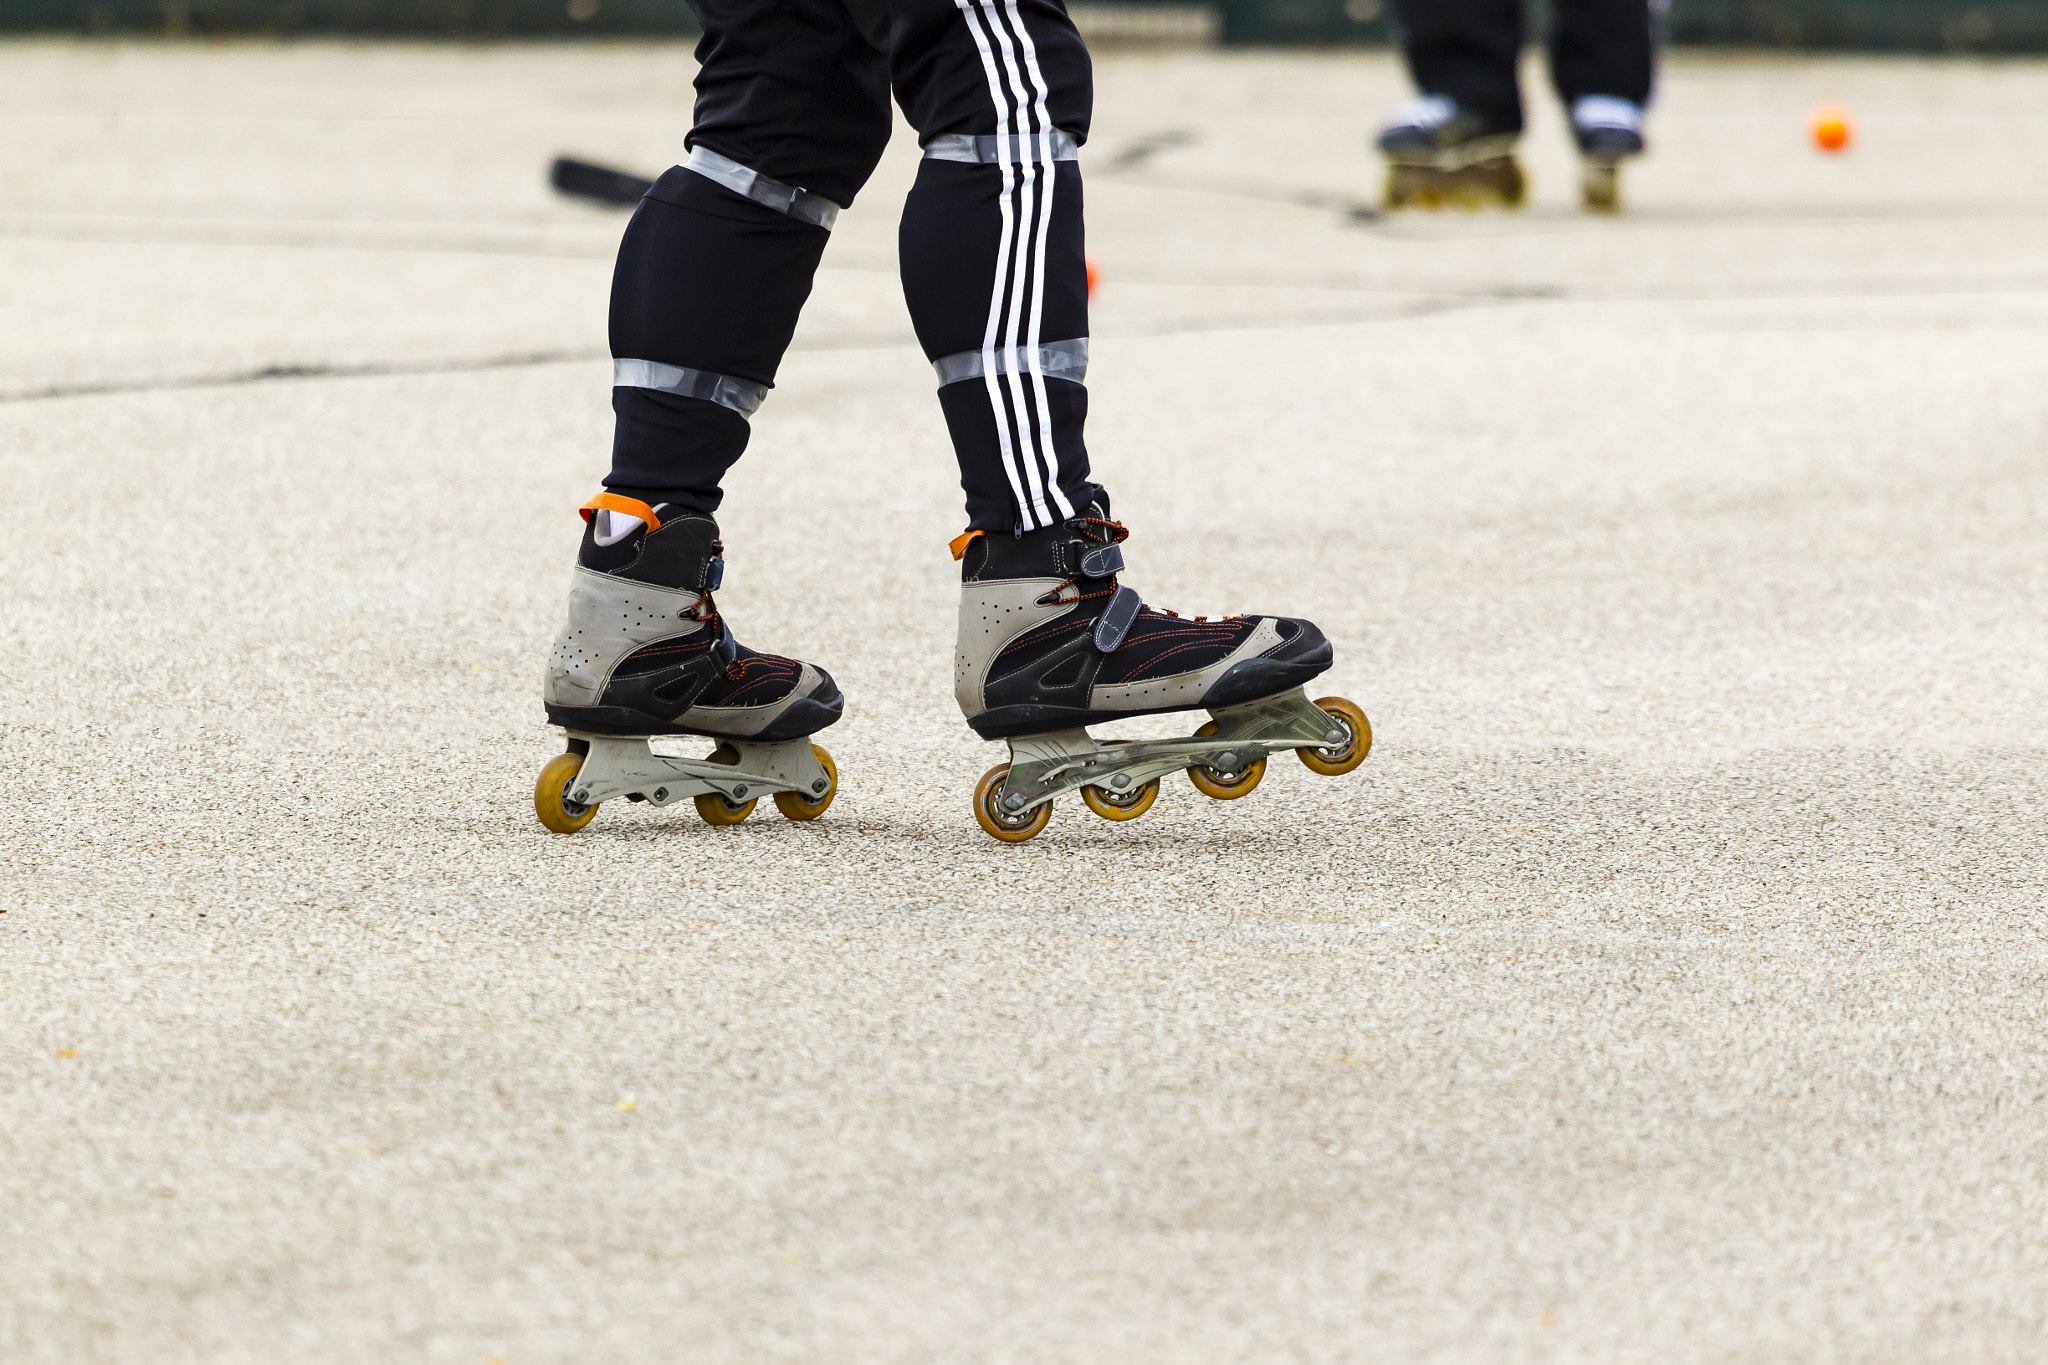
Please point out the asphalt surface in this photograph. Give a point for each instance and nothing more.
(1667, 986)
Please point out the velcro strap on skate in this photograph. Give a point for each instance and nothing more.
(958, 545)
(800, 204)
(722, 389)
(996, 149)
(1100, 561)
(1116, 618)
(683, 690)
(628, 507)
(1054, 360)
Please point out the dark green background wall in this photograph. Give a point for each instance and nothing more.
(1894, 25)
(1897, 25)
(477, 18)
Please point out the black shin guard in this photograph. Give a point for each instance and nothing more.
(710, 284)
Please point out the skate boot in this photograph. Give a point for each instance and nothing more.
(1441, 156)
(1608, 130)
(1051, 643)
(646, 656)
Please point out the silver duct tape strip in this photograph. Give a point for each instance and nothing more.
(800, 204)
(742, 397)
(987, 149)
(1056, 360)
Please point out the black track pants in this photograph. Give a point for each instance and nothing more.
(1467, 49)
(792, 114)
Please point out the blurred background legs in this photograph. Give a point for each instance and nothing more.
(1454, 144)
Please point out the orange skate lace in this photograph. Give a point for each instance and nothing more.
(1114, 533)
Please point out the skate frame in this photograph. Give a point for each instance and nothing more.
(624, 765)
(1045, 766)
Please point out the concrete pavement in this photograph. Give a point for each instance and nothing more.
(1667, 986)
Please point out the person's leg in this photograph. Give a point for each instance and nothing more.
(792, 114)
(1603, 48)
(1454, 143)
(991, 246)
(1602, 60)
(994, 272)
(1466, 51)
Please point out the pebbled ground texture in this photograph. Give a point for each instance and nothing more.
(1668, 985)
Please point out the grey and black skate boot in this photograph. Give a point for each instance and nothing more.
(646, 655)
(1608, 130)
(1442, 156)
(1052, 642)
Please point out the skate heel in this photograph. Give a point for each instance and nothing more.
(1119, 779)
(725, 785)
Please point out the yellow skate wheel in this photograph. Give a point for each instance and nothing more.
(988, 812)
(1224, 786)
(1413, 187)
(1397, 194)
(1127, 805)
(1514, 186)
(714, 809)
(1337, 759)
(793, 805)
(551, 796)
(1600, 187)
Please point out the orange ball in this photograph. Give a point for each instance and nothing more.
(1094, 276)
(1831, 127)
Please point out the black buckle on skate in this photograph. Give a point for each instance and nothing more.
(714, 575)
(1116, 618)
(1101, 561)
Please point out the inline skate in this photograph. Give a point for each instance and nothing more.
(1051, 642)
(1608, 130)
(646, 656)
(1441, 156)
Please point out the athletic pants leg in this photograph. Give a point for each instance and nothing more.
(1466, 49)
(791, 118)
(1602, 47)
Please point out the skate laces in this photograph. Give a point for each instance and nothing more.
(1105, 532)
(1101, 532)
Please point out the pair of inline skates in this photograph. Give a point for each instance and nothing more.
(1051, 641)
(1440, 155)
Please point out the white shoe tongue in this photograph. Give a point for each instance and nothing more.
(609, 527)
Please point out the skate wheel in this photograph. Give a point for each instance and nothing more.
(714, 809)
(793, 805)
(1337, 759)
(1224, 786)
(988, 813)
(1600, 187)
(1514, 189)
(1413, 187)
(551, 796)
(1121, 805)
